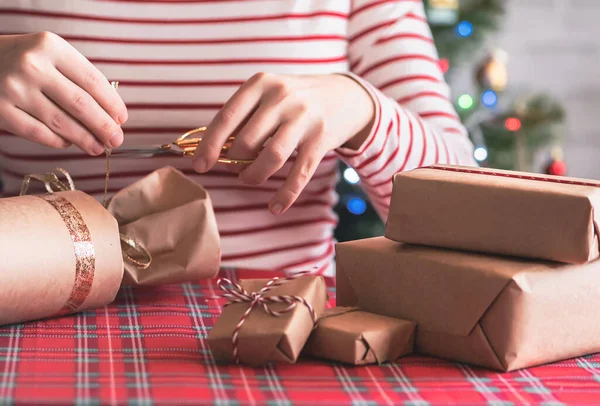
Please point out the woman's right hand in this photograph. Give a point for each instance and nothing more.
(52, 95)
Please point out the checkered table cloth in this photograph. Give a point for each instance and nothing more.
(149, 348)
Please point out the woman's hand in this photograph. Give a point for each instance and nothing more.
(271, 116)
(51, 94)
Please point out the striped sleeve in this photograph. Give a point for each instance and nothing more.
(393, 57)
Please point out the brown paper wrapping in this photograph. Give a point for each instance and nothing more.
(356, 337)
(496, 214)
(491, 311)
(38, 270)
(264, 338)
(172, 217)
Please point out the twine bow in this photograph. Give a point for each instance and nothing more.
(53, 184)
(237, 294)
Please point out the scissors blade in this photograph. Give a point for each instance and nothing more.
(143, 152)
(172, 150)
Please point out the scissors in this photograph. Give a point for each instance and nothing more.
(184, 146)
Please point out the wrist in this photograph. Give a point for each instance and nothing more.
(362, 110)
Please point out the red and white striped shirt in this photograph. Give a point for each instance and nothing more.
(179, 61)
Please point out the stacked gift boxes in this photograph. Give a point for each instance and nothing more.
(492, 268)
(497, 269)
(291, 320)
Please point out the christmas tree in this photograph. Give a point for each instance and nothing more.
(510, 130)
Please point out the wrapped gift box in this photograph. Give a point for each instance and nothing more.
(264, 338)
(63, 252)
(496, 312)
(349, 335)
(497, 212)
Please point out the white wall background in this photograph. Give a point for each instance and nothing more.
(554, 46)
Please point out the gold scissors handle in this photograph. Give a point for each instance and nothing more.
(188, 146)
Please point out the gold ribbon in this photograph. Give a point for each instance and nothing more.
(83, 248)
(53, 184)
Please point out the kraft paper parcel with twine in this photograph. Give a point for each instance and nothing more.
(167, 227)
(267, 320)
(63, 253)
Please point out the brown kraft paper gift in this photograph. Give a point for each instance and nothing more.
(356, 337)
(492, 311)
(497, 212)
(264, 338)
(60, 253)
(172, 217)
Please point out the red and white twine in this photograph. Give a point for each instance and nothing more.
(236, 294)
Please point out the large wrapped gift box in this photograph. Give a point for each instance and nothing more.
(497, 212)
(496, 312)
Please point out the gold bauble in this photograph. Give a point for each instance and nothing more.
(493, 72)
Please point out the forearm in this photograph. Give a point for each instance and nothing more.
(393, 56)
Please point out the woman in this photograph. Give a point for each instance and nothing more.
(353, 80)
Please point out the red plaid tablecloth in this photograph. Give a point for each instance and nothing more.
(149, 348)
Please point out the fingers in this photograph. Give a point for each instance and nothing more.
(255, 133)
(19, 123)
(84, 74)
(46, 78)
(275, 153)
(227, 120)
(62, 124)
(307, 161)
(84, 107)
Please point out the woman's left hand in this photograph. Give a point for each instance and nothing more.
(271, 116)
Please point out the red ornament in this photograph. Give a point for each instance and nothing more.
(513, 124)
(558, 168)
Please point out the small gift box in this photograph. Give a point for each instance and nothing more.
(349, 335)
(497, 212)
(267, 320)
(503, 313)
